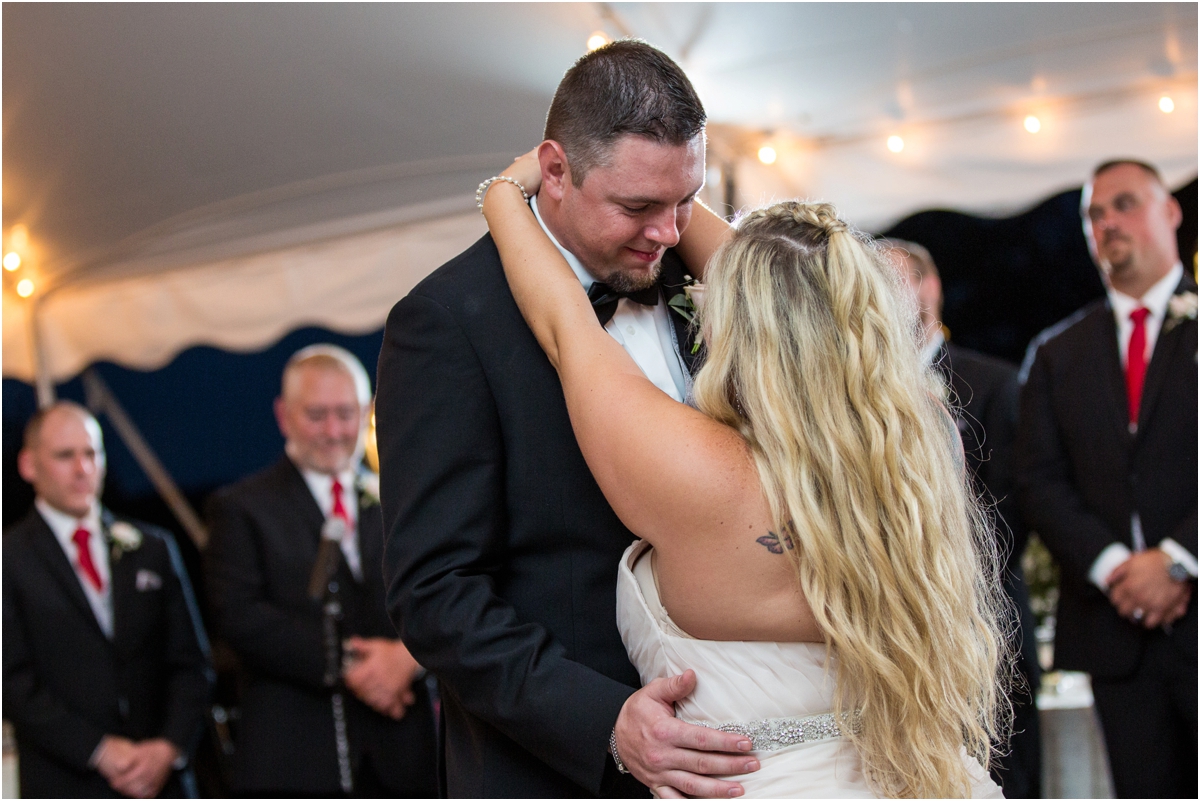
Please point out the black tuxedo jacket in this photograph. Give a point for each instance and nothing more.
(66, 685)
(501, 554)
(265, 531)
(984, 398)
(1081, 474)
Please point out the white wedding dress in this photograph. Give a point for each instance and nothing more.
(778, 693)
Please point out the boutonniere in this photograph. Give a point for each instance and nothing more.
(125, 537)
(368, 488)
(687, 304)
(1181, 307)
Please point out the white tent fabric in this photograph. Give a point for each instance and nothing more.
(347, 284)
(223, 173)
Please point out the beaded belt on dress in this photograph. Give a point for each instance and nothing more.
(772, 734)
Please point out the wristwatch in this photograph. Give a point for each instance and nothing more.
(1178, 573)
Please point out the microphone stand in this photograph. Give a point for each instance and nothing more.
(323, 588)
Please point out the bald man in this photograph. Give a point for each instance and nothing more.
(1106, 474)
(368, 729)
(106, 673)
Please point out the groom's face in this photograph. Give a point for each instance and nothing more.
(629, 211)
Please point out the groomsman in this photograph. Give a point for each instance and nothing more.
(984, 400)
(106, 672)
(1107, 477)
(308, 727)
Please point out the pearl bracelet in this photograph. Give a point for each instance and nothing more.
(483, 188)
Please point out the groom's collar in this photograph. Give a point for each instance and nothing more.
(581, 273)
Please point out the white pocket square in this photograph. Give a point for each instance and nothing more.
(148, 580)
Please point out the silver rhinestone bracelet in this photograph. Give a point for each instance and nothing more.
(483, 188)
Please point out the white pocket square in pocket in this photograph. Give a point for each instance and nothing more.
(148, 580)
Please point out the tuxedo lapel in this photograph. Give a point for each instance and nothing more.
(122, 569)
(370, 536)
(1163, 360)
(1112, 375)
(298, 498)
(672, 283)
(51, 554)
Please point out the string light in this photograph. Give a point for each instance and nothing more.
(1166, 105)
(767, 154)
(18, 237)
(24, 287)
(895, 144)
(12, 261)
(1033, 124)
(596, 41)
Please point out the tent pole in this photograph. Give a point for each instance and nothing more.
(42, 378)
(101, 401)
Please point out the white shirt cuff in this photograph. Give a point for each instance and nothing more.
(1106, 562)
(1179, 554)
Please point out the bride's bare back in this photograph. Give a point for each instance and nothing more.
(675, 477)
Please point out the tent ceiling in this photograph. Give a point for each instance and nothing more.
(252, 142)
(119, 116)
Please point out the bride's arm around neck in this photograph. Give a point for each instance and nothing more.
(675, 477)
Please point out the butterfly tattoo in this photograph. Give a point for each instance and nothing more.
(774, 544)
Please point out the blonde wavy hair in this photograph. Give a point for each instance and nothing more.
(813, 357)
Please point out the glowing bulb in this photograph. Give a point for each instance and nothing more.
(1166, 104)
(24, 287)
(12, 260)
(895, 144)
(1033, 124)
(767, 154)
(596, 41)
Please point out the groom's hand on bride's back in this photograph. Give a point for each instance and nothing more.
(666, 754)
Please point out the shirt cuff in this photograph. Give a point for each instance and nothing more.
(1179, 554)
(94, 759)
(1106, 562)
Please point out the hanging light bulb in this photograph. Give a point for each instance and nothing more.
(24, 287)
(596, 41)
(767, 154)
(1166, 105)
(12, 261)
(1033, 124)
(895, 144)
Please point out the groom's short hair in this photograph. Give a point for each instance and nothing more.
(626, 87)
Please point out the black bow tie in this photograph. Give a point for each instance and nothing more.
(605, 299)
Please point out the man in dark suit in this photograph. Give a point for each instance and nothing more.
(331, 703)
(501, 551)
(106, 672)
(1106, 472)
(983, 398)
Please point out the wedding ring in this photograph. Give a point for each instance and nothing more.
(1138, 614)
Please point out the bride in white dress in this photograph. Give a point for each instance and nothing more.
(810, 547)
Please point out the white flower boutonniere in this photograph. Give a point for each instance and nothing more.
(1181, 307)
(368, 488)
(125, 537)
(688, 304)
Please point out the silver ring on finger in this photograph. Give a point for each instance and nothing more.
(1138, 614)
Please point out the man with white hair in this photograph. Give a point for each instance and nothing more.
(106, 674)
(308, 727)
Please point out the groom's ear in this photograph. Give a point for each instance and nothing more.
(556, 173)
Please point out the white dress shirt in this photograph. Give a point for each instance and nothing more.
(64, 526)
(321, 487)
(645, 332)
(1156, 300)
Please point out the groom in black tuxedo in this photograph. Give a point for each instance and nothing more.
(502, 553)
(1107, 477)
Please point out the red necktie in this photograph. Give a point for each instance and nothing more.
(339, 508)
(1135, 363)
(86, 565)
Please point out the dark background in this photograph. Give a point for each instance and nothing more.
(208, 414)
